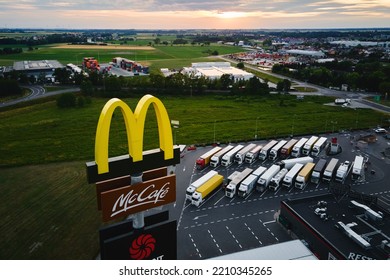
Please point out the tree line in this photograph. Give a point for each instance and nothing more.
(366, 76)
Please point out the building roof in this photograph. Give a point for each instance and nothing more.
(290, 250)
(377, 233)
(37, 65)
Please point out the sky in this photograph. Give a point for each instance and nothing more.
(194, 14)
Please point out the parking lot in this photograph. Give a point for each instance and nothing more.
(221, 225)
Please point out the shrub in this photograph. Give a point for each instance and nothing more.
(66, 100)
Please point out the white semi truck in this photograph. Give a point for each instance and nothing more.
(206, 189)
(358, 168)
(192, 188)
(228, 158)
(275, 150)
(318, 171)
(319, 146)
(342, 171)
(240, 156)
(309, 145)
(233, 186)
(330, 170)
(247, 187)
(253, 154)
(289, 179)
(304, 175)
(266, 149)
(264, 179)
(216, 159)
(297, 149)
(276, 181)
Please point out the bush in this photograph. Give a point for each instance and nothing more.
(66, 100)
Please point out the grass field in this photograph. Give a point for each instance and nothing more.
(49, 211)
(105, 53)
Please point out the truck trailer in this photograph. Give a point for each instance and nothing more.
(233, 186)
(264, 179)
(289, 179)
(216, 158)
(191, 189)
(358, 167)
(330, 170)
(318, 171)
(319, 146)
(204, 160)
(204, 190)
(304, 175)
(275, 150)
(342, 171)
(266, 149)
(240, 156)
(309, 145)
(253, 154)
(245, 189)
(228, 158)
(247, 185)
(276, 181)
(287, 148)
(288, 163)
(297, 149)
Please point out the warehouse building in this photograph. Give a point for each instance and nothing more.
(214, 70)
(38, 68)
(339, 225)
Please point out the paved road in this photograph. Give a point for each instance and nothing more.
(37, 92)
(356, 96)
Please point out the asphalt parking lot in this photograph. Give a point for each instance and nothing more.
(221, 225)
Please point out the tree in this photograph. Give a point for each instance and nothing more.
(240, 65)
(226, 81)
(62, 75)
(87, 88)
(157, 41)
(9, 87)
(66, 100)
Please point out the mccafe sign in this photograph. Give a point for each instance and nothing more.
(139, 197)
(116, 195)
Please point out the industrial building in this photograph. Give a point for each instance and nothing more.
(214, 70)
(38, 68)
(340, 225)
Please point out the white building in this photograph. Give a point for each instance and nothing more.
(214, 70)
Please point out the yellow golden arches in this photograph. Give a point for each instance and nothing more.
(135, 123)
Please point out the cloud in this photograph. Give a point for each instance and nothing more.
(198, 13)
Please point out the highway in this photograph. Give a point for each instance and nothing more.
(35, 93)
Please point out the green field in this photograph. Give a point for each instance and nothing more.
(105, 54)
(49, 211)
(44, 133)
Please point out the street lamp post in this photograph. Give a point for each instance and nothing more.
(257, 119)
(292, 126)
(214, 132)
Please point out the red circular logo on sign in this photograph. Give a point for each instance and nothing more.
(142, 247)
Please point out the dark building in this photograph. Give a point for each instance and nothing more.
(340, 225)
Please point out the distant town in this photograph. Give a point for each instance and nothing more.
(341, 59)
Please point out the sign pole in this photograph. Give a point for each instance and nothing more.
(138, 218)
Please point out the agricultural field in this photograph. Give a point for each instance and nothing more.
(141, 53)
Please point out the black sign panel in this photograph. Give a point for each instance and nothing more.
(153, 242)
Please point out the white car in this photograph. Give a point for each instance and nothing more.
(380, 130)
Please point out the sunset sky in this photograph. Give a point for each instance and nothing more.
(194, 14)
